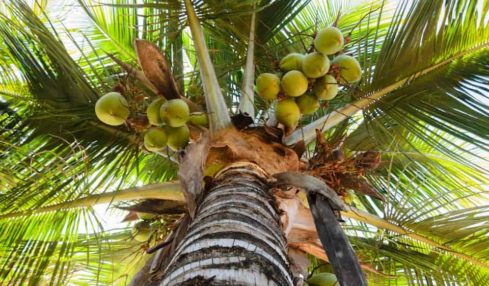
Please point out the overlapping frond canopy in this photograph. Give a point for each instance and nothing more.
(428, 60)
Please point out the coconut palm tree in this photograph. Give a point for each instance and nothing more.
(405, 148)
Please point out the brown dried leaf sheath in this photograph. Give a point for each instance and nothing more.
(298, 225)
(156, 69)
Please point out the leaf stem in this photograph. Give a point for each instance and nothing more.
(246, 102)
(216, 105)
(164, 191)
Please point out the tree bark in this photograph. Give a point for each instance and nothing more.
(235, 238)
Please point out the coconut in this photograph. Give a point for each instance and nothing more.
(178, 137)
(350, 70)
(323, 279)
(315, 65)
(155, 139)
(199, 119)
(175, 112)
(329, 41)
(141, 231)
(292, 61)
(308, 103)
(288, 113)
(294, 83)
(326, 88)
(112, 109)
(153, 111)
(145, 216)
(268, 86)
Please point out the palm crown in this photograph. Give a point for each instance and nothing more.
(421, 103)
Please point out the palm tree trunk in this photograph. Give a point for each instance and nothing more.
(235, 238)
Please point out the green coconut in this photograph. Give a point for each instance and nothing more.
(323, 279)
(112, 109)
(145, 216)
(326, 88)
(193, 89)
(350, 69)
(268, 86)
(155, 139)
(294, 83)
(349, 197)
(175, 112)
(329, 41)
(308, 103)
(292, 61)
(178, 137)
(315, 65)
(153, 111)
(288, 113)
(199, 119)
(141, 231)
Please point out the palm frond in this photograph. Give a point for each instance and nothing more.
(52, 150)
(164, 191)
(41, 247)
(42, 59)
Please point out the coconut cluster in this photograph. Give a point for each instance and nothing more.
(168, 120)
(306, 79)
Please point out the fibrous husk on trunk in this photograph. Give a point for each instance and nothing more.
(252, 145)
(191, 171)
(299, 228)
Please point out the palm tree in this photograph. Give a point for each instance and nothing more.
(422, 104)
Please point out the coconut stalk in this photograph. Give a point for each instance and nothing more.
(163, 191)
(216, 105)
(246, 101)
(308, 132)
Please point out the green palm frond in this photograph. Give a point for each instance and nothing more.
(40, 247)
(43, 60)
(424, 156)
(106, 258)
(441, 99)
(448, 100)
(408, 263)
(434, 32)
(53, 150)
